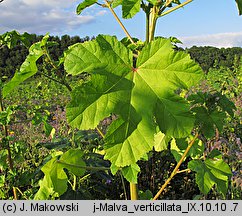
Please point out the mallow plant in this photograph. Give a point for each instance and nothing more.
(144, 84)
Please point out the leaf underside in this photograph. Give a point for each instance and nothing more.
(141, 95)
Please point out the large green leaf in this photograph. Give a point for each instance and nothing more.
(239, 4)
(141, 95)
(84, 5)
(28, 68)
(116, 3)
(212, 171)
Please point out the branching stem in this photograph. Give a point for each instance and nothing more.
(174, 172)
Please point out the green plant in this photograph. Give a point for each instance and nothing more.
(143, 85)
(138, 82)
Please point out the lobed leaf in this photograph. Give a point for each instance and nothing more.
(141, 95)
(11, 39)
(211, 172)
(208, 121)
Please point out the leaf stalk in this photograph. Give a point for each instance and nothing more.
(83, 167)
(119, 22)
(175, 8)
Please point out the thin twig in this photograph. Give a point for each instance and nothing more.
(119, 21)
(123, 184)
(182, 171)
(175, 8)
(100, 132)
(63, 82)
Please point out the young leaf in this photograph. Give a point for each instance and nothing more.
(179, 146)
(28, 68)
(176, 151)
(84, 5)
(140, 95)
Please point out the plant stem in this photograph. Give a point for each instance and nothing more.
(133, 191)
(182, 171)
(175, 8)
(5, 129)
(74, 183)
(57, 81)
(100, 132)
(20, 192)
(147, 27)
(6, 134)
(63, 81)
(122, 180)
(119, 21)
(153, 16)
(174, 172)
